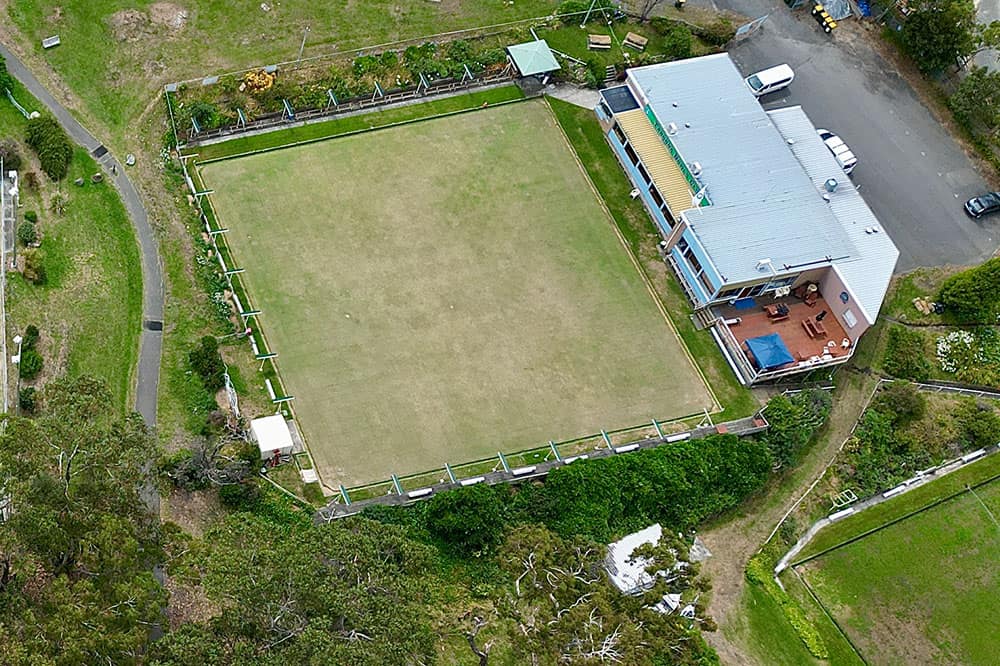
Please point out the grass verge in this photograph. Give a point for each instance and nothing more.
(584, 133)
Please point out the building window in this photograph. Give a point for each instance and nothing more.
(644, 173)
(620, 134)
(606, 109)
(709, 287)
(682, 245)
(631, 154)
(657, 199)
(729, 293)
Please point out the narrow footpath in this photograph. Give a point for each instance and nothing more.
(151, 338)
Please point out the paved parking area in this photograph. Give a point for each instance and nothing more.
(911, 172)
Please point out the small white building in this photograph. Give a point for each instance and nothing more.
(629, 574)
(272, 436)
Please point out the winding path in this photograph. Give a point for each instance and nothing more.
(151, 338)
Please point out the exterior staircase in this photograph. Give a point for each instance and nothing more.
(610, 75)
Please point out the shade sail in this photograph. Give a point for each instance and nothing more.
(769, 351)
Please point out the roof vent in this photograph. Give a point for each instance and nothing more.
(674, 104)
(791, 142)
(695, 169)
(830, 185)
(671, 128)
(826, 198)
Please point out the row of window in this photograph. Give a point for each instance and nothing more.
(757, 289)
(699, 271)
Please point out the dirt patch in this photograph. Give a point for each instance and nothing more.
(130, 25)
(55, 16)
(168, 15)
(194, 511)
(187, 603)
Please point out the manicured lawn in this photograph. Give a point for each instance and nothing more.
(923, 590)
(442, 290)
(115, 54)
(89, 310)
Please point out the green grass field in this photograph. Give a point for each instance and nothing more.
(115, 54)
(923, 590)
(443, 290)
(89, 310)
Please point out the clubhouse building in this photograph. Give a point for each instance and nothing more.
(779, 254)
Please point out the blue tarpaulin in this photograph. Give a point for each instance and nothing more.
(769, 351)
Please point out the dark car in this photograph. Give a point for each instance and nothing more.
(985, 204)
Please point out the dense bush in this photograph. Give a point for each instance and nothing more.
(902, 402)
(594, 74)
(679, 486)
(6, 80)
(10, 155)
(30, 338)
(576, 6)
(794, 419)
(207, 363)
(50, 142)
(677, 41)
(716, 33)
(34, 266)
(27, 400)
(973, 296)
(906, 354)
(938, 34)
(242, 496)
(30, 365)
(31, 216)
(469, 520)
(26, 233)
(973, 356)
(979, 424)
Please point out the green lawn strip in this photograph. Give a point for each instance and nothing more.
(762, 628)
(584, 133)
(900, 507)
(839, 648)
(932, 574)
(91, 304)
(115, 62)
(357, 123)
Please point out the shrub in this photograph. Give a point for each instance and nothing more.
(207, 363)
(793, 421)
(677, 41)
(902, 402)
(577, 7)
(31, 216)
(759, 572)
(467, 519)
(242, 496)
(26, 233)
(30, 338)
(718, 32)
(906, 354)
(30, 365)
(594, 74)
(34, 266)
(50, 142)
(9, 154)
(980, 424)
(31, 181)
(27, 400)
(972, 296)
(6, 80)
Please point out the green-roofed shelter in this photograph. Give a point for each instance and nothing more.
(532, 58)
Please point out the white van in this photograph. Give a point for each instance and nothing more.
(769, 80)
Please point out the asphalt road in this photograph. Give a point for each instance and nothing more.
(911, 172)
(151, 338)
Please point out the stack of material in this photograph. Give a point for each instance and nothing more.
(923, 305)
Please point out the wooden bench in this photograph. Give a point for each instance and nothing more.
(637, 42)
(598, 42)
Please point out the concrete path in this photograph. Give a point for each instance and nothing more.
(578, 95)
(151, 338)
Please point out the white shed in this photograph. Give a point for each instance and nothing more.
(627, 573)
(272, 436)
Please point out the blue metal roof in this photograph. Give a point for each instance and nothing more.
(764, 205)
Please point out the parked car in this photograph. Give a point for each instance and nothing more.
(984, 204)
(769, 80)
(845, 158)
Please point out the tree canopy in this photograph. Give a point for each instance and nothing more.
(79, 546)
(939, 34)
